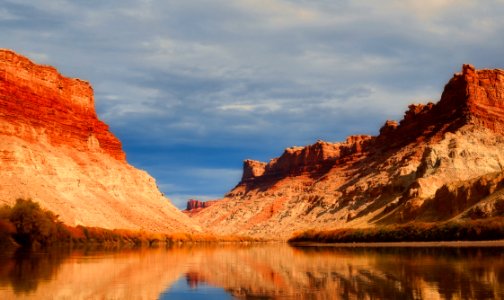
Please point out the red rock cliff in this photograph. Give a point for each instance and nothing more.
(303, 160)
(43, 100)
(55, 150)
(470, 97)
(195, 204)
(388, 178)
(485, 97)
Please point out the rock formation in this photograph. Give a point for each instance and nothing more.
(405, 173)
(441, 161)
(193, 204)
(55, 150)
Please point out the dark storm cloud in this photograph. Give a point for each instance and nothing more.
(193, 87)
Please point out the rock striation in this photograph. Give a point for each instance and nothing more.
(397, 176)
(38, 99)
(55, 150)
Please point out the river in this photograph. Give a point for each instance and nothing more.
(262, 271)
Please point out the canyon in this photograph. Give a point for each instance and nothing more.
(441, 162)
(55, 150)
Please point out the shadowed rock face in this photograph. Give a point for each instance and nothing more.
(252, 169)
(196, 204)
(368, 180)
(55, 150)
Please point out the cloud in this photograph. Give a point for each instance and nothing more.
(6, 15)
(252, 107)
(279, 14)
(429, 9)
(196, 84)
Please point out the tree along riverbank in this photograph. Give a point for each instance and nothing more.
(26, 224)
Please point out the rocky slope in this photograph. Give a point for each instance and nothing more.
(55, 150)
(429, 166)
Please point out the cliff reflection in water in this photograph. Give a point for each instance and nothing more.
(266, 272)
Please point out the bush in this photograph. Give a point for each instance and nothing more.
(34, 225)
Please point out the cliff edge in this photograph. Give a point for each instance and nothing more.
(55, 150)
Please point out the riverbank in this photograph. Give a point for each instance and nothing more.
(27, 225)
(469, 230)
(451, 244)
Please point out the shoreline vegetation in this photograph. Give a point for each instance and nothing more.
(438, 244)
(452, 231)
(27, 225)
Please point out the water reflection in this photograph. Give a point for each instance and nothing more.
(415, 273)
(256, 272)
(14, 269)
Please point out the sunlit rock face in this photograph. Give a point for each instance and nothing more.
(37, 100)
(368, 180)
(55, 150)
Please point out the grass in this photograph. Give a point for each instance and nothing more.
(471, 230)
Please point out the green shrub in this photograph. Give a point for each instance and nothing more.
(34, 225)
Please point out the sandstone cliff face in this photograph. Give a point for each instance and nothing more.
(55, 150)
(37, 99)
(392, 177)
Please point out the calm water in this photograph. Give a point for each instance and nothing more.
(256, 272)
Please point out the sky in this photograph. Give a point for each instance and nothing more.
(194, 87)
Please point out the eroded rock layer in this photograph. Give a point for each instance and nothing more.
(397, 176)
(55, 150)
